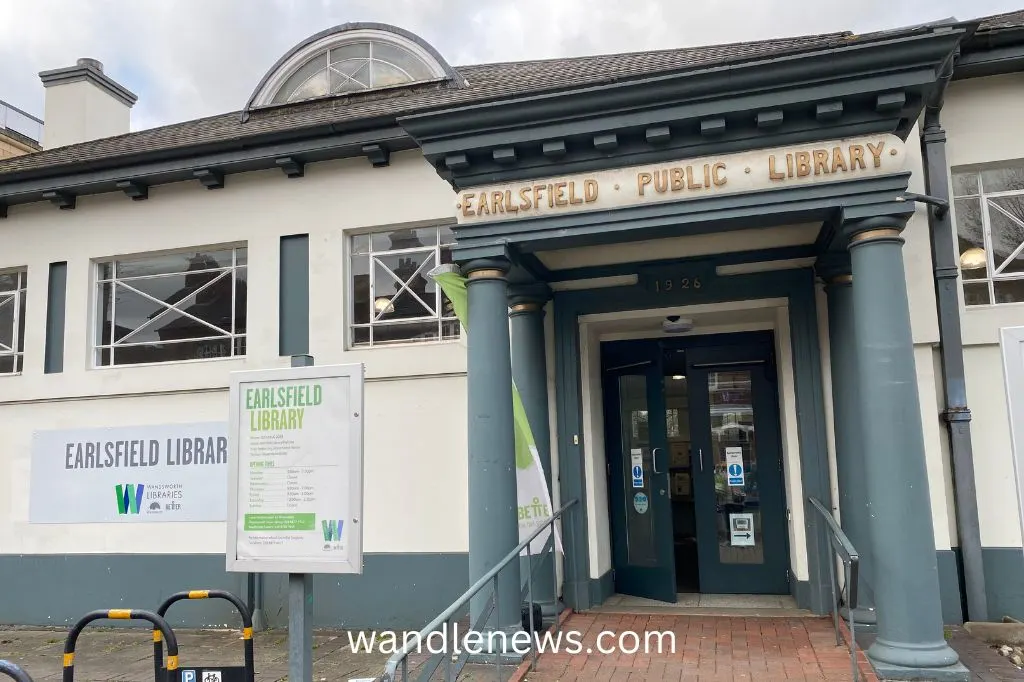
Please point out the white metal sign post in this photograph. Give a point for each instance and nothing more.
(295, 492)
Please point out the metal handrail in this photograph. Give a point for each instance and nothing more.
(400, 657)
(14, 671)
(844, 549)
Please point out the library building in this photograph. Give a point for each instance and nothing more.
(750, 294)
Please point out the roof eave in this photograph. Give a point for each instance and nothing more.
(287, 150)
(991, 53)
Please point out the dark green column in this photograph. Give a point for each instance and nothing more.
(854, 502)
(493, 507)
(529, 371)
(910, 642)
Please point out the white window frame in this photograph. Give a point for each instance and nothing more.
(986, 229)
(15, 296)
(97, 287)
(438, 316)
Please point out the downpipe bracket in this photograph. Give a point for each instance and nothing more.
(940, 207)
(956, 414)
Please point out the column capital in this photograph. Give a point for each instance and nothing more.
(875, 229)
(834, 268)
(528, 298)
(486, 268)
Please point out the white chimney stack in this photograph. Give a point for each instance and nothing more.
(82, 104)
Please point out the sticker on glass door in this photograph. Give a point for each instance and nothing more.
(734, 467)
(636, 461)
(741, 530)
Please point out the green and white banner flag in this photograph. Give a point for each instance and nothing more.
(534, 499)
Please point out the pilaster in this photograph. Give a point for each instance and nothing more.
(854, 499)
(529, 371)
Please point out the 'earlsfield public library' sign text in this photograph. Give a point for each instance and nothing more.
(691, 179)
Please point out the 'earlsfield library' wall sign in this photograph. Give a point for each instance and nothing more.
(749, 171)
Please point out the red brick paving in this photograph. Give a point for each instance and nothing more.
(708, 649)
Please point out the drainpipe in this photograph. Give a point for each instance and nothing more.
(956, 413)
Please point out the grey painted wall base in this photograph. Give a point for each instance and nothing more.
(949, 585)
(601, 588)
(1004, 581)
(801, 591)
(394, 591)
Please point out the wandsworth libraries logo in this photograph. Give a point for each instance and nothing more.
(129, 497)
(332, 530)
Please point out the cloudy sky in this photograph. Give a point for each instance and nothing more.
(191, 58)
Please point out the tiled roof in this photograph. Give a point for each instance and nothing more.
(999, 22)
(487, 82)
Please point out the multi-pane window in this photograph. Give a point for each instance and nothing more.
(12, 320)
(393, 298)
(187, 305)
(989, 209)
(353, 67)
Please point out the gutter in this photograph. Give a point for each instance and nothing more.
(956, 414)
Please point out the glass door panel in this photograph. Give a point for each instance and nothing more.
(740, 496)
(637, 456)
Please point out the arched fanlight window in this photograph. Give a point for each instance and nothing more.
(351, 67)
(350, 59)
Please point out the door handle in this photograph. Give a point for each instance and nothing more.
(654, 460)
(700, 458)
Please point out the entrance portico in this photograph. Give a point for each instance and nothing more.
(653, 204)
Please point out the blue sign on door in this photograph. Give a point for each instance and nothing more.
(638, 476)
(735, 476)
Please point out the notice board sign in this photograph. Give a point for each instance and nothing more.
(157, 473)
(295, 470)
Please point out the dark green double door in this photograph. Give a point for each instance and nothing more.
(694, 466)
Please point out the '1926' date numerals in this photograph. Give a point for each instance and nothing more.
(674, 283)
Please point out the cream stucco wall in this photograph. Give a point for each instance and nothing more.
(415, 396)
(982, 128)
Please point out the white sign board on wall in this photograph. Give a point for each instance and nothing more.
(129, 474)
(295, 478)
(1012, 342)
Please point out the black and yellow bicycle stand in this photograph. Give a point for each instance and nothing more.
(242, 673)
(164, 670)
(165, 673)
(13, 671)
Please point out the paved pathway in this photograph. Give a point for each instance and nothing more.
(708, 649)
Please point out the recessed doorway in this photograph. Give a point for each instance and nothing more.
(694, 463)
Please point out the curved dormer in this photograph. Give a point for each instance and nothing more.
(349, 59)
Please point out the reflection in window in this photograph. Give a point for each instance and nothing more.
(393, 299)
(989, 208)
(12, 320)
(189, 305)
(353, 67)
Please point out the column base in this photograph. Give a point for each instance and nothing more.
(508, 646)
(904, 661)
(863, 616)
(950, 673)
(551, 608)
